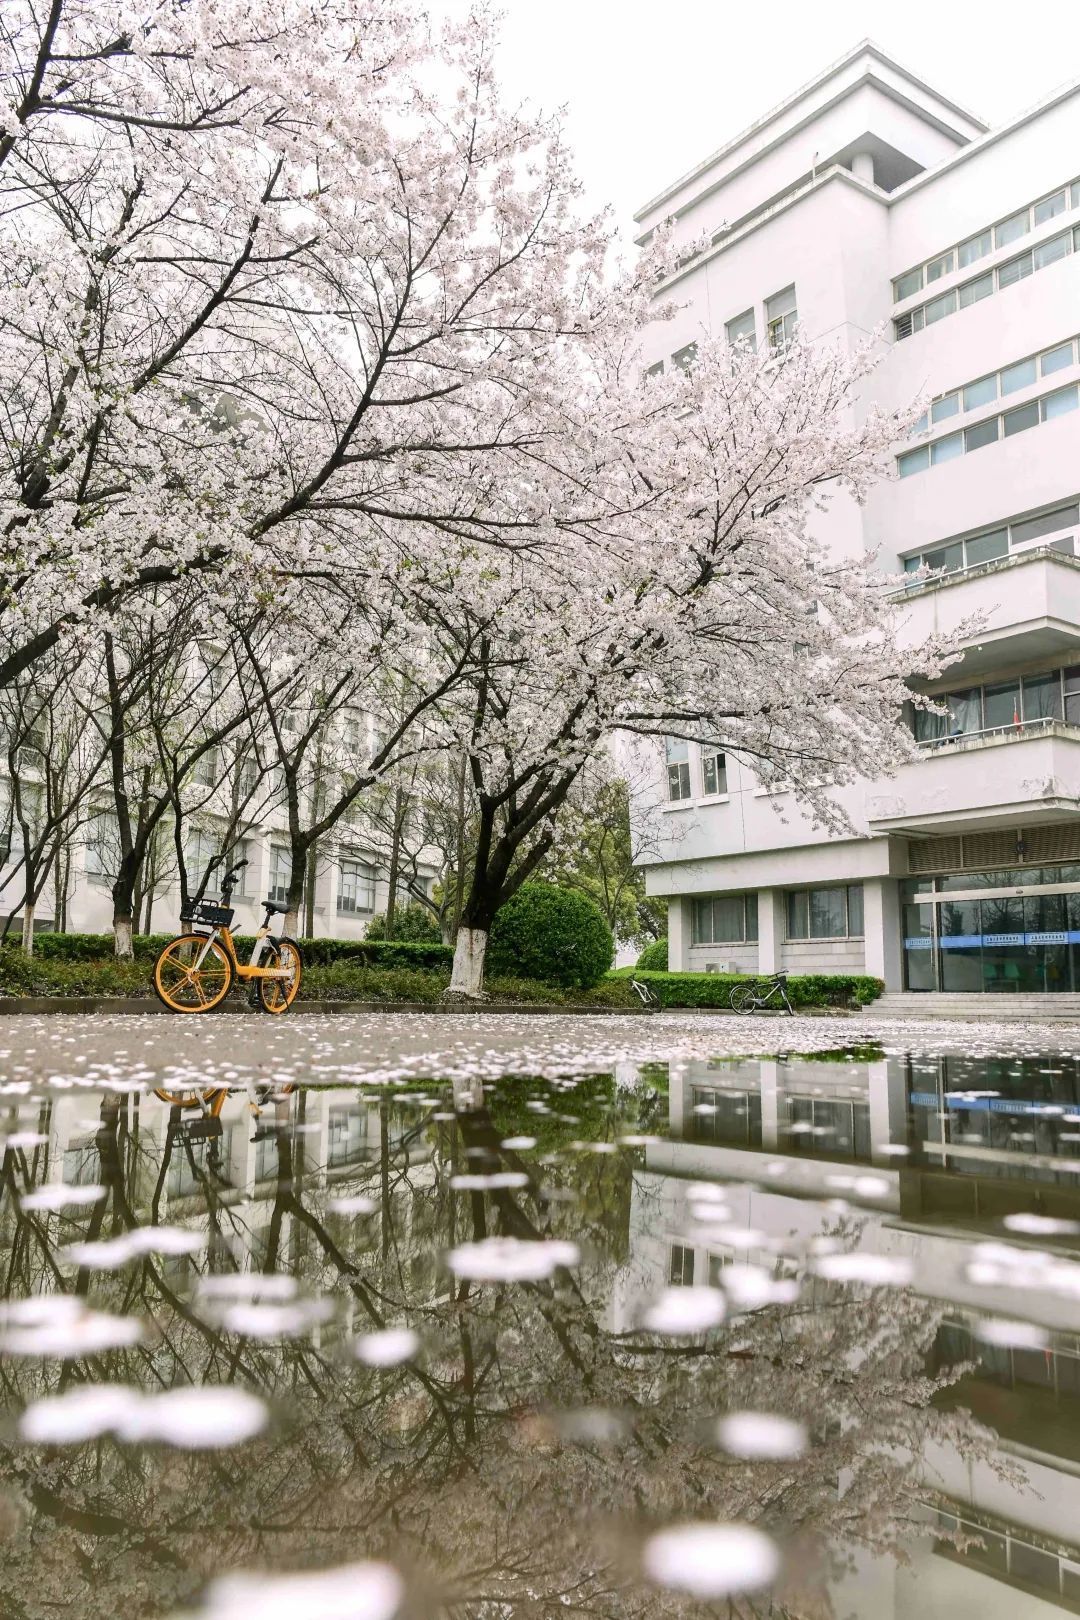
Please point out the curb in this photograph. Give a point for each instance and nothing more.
(137, 1004)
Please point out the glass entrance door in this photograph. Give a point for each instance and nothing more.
(998, 941)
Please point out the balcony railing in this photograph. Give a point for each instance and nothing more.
(1015, 731)
(1061, 550)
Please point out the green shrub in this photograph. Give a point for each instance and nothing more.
(371, 953)
(555, 935)
(412, 923)
(653, 958)
(804, 990)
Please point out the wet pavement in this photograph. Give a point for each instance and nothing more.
(403, 1317)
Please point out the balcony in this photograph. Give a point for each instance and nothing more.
(985, 779)
(1028, 605)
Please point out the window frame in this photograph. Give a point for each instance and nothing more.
(798, 900)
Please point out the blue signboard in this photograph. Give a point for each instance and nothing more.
(966, 942)
(996, 1105)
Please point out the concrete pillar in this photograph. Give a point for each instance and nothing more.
(888, 1108)
(678, 928)
(770, 1103)
(862, 166)
(677, 1101)
(770, 921)
(881, 922)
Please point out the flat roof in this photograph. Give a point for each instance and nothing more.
(865, 47)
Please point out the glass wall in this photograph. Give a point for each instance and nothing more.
(973, 932)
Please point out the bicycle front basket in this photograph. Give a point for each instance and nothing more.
(206, 914)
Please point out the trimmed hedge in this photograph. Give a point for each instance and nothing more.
(555, 935)
(654, 958)
(804, 989)
(369, 953)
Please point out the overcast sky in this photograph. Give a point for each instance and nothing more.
(653, 88)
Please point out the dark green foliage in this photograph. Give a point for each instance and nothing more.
(371, 953)
(555, 935)
(653, 958)
(411, 923)
(804, 990)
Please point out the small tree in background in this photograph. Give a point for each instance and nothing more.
(552, 934)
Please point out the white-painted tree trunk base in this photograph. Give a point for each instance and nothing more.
(467, 978)
(28, 930)
(290, 924)
(122, 938)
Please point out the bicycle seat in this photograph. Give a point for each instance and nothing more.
(272, 905)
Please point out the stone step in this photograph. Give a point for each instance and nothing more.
(1055, 1005)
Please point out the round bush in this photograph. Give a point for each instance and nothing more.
(653, 958)
(413, 924)
(555, 935)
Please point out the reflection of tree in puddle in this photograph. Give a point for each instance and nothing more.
(514, 1466)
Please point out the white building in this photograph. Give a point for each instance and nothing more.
(870, 200)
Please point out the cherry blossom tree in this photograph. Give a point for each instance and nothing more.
(707, 611)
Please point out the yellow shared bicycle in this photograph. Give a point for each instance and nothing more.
(196, 970)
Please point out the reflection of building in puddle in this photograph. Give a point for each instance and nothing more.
(929, 1154)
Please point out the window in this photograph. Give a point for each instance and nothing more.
(101, 857)
(1019, 421)
(1011, 229)
(1015, 270)
(826, 913)
(914, 461)
(945, 407)
(280, 873)
(207, 772)
(946, 449)
(1022, 375)
(981, 392)
(677, 750)
(986, 547)
(976, 247)
(356, 886)
(947, 558)
(973, 291)
(938, 308)
(655, 370)
(937, 268)
(1057, 359)
(1001, 705)
(724, 919)
(904, 286)
(684, 358)
(681, 1266)
(1042, 696)
(743, 328)
(1049, 252)
(982, 433)
(713, 773)
(1059, 404)
(781, 317)
(1050, 206)
(1033, 528)
(200, 849)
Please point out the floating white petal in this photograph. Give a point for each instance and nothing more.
(366, 1591)
(511, 1259)
(684, 1310)
(711, 1560)
(386, 1348)
(876, 1270)
(59, 1195)
(761, 1435)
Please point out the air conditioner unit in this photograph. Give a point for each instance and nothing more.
(721, 967)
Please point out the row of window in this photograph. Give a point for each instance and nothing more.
(356, 878)
(985, 390)
(712, 764)
(732, 919)
(1002, 705)
(781, 322)
(992, 428)
(957, 555)
(983, 242)
(972, 292)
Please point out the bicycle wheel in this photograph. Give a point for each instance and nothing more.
(743, 998)
(278, 995)
(209, 1101)
(185, 987)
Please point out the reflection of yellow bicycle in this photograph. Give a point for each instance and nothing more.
(195, 971)
(211, 1100)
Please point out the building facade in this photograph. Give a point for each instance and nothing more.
(869, 201)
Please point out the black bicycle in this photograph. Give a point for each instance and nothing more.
(757, 993)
